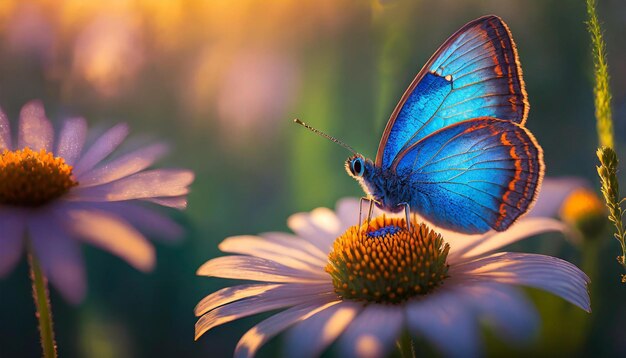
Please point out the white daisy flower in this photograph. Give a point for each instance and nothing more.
(59, 195)
(365, 288)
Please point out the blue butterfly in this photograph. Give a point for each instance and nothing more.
(455, 149)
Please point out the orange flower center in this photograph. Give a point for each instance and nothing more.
(584, 210)
(387, 263)
(31, 179)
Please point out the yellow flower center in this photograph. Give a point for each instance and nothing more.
(387, 263)
(583, 209)
(29, 178)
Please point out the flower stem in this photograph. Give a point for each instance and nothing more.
(405, 345)
(42, 303)
(604, 121)
(610, 190)
(602, 92)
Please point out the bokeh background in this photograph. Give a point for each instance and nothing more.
(221, 81)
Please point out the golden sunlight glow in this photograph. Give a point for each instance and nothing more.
(368, 346)
(233, 61)
(166, 19)
(338, 322)
(6, 9)
(108, 53)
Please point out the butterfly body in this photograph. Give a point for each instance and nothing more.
(455, 149)
(386, 188)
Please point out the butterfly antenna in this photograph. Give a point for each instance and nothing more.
(318, 132)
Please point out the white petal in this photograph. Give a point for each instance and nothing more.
(72, 139)
(289, 240)
(504, 308)
(319, 227)
(176, 202)
(151, 222)
(545, 272)
(123, 166)
(103, 146)
(256, 269)
(60, 257)
(444, 320)
(347, 210)
(11, 240)
(449, 317)
(290, 256)
(113, 234)
(147, 184)
(281, 297)
(5, 132)
(552, 194)
(267, 329)
(311, 337)
(265, 291)
(35, 129)
(373, 331)
(326, 220)
(147, 220)
(231, 294)
(473, 246)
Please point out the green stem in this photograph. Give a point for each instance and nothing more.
(610, 190)
(405, 345)
(604, 120)
(42, 303)
(602, 91)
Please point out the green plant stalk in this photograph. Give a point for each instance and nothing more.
(42, 304)
(610, 190)
(602, 92)
(405, 345)
(604, 121)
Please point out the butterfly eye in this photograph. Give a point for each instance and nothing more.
(357, 167)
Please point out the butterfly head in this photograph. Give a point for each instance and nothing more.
(357, 166)
(368, 175)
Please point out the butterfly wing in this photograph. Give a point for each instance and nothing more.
(473, 176)
(475, 73)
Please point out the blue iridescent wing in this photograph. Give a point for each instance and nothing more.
(473, 176)
(475, 73)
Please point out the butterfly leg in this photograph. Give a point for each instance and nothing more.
(369, 213)
(371, 209)
(358, 224)
(407, 214)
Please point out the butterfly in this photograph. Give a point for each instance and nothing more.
(455, 150)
